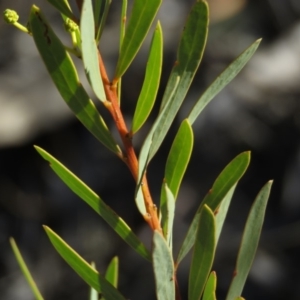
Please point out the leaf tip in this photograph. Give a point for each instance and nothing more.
(35, 8)
(40, 151)
(158, 25)
(46, 228)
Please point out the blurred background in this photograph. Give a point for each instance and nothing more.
(258, 111)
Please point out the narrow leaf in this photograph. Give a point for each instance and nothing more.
(63, 7)
(203, 255)
(227, 179)
(98, 11)
(179, 157)
(151, 82)
(139, 200)
(25, 270)
(163, 268)
(112, 272)
(94, 295)
(249, 242)
(222, 80)
(96, 203)
(231, 174)
(82, 268)
(210, 287)
(142, 16)
(144, 158)
(167, 211)
(123, 22)
(122, 34)
(64, 76)
(222, 210)
(90, 50)
(101, 12)
(190, 52)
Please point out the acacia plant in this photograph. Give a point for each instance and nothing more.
(203, 234)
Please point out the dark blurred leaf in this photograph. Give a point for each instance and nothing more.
(122, 34)
(63, 7)
(100, 13)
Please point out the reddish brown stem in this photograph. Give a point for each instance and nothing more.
(177, 291)
(113, 107)
(79, 4)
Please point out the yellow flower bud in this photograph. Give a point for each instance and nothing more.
(70, 25)
(10, 16)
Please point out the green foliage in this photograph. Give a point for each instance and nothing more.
(189, 55)
(221, 187)
(163, 267)
(112, 272)
(210, 287)
(96, 203)
(100, 14)
(249, 242)
(82, 268)
(222, 80)
(64, 75)
(90, 50)
(63, 7)
(205, 229)
(142, 16)
(144, 157)
(25, 270)
(204, 252)
(179, 157)
(151, 82)
(167, 210)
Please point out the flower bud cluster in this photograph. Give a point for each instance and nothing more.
(70, 25)
(10, 16)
